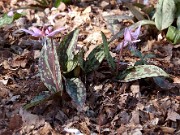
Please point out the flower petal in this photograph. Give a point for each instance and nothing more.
(121, 45)
(127, 35)
(10, 13)
(53, 33)
(136, 34)
(37, 32)
(48, 30)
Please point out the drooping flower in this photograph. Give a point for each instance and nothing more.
(44, 32)
(130, 38)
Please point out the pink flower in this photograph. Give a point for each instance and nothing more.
(130, 38)
(11, 13)
(45, 32)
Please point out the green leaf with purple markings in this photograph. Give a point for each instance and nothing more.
(94, 59)
(141, 71)
(49, 68)
(77, 91)
(108, 56)
(65, 52)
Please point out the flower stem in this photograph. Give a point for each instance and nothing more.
(119, 58)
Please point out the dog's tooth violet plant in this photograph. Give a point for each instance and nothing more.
(131, 37)
(56, 60)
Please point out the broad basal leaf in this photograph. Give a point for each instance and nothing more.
(65, 51)
(42, 97)
(94, 59)
(107, 53)
(77, 91)
(142, 71)
(165, 13)
(49, 68)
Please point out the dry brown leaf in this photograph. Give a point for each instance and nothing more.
(4, 92)
(87, 10)
(4, 55)
(22, 60)
(172, 115)
(124, 117)
(46, 129)
(122, 130)
(37, 54)
(15, 122)
(102, 119)
(135, 118)
(84, 128)
(167, 130)
(30, 119)
(110, 112)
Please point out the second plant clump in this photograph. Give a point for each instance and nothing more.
(60, 63)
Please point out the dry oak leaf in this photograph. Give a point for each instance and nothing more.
(172, 115)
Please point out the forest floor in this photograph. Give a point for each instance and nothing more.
(111, 107)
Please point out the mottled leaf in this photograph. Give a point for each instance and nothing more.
(77, 91)
(42, 97)
(49, 68)
(65, 51)
(142, 71)
(107, 53)
(94, 59)
(81, 61)
(165, 14)
(5, 20)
